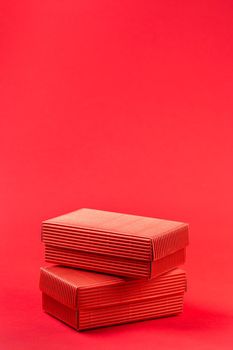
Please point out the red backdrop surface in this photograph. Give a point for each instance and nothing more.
(124, 106)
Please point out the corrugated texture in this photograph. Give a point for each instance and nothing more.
(60, 311)
(125, 292)
(80, 278)
(82, 289)
(113, 315)
(85, 299)
(105, 221)
(91, 318)
(113, 265)
(123, 235)
(168, 262)
(97, 262)
(58, 287)
(97, 242)
(170, 242)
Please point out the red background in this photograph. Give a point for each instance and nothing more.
(124, 106)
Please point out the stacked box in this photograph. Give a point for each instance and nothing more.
(86, 299)
(137, 257)
(113, 243)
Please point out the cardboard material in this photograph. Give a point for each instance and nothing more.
(116, 266)
(86, 300)
(121, 244)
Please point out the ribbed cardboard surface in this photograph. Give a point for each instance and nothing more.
(87, 300)
(114, 239)
(116, 266)
(93, 318)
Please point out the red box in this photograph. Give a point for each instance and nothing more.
(87, 300)
(120, 244)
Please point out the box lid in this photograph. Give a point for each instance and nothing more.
(80, 289)
(131, 236)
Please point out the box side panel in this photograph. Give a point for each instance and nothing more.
(168, 243)
(58, 288)
(127, 246)
(131, 312)
(60, 311)
(167, 263)
(135, 290)
(98, 262)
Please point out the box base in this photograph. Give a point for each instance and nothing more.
(114, 315)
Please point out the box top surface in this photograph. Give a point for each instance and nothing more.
(81, 278)
(124, 224)
(87, 279)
